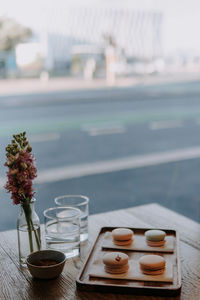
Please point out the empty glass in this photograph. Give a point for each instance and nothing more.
(62, 230)
(80, 202)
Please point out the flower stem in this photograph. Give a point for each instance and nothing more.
(37, 238)
(27, 212)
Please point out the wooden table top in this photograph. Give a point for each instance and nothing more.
(16, 283)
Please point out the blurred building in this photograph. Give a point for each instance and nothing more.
(138, 34)
(149, 36)
(72, 40)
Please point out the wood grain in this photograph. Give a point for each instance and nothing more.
(16, 283)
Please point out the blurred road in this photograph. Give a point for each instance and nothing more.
(130, 146)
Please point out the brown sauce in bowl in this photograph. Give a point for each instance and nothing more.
(45, 262)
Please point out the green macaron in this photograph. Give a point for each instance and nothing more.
(155, 235)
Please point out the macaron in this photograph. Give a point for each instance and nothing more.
(155, 238)
(152, 264)
(116, 263)
(122, 236)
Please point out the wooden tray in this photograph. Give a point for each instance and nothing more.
(84, 282)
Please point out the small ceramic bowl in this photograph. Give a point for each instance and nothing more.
(49, 271)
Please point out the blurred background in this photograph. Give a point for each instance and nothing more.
(109, 95)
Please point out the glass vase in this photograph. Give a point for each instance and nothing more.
(28, 231)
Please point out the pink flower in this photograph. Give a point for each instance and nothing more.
(21, 170)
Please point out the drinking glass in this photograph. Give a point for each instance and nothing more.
(80, 202)
(62, 230)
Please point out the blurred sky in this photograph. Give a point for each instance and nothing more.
(180, 26)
